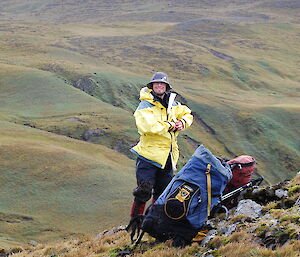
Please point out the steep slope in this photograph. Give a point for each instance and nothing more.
(273, 232)
(74, 68)
(44, 100)
(53, 186)
(33, 93)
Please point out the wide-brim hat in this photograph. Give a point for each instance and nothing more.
(159, 77)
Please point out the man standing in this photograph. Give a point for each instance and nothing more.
(159, 119)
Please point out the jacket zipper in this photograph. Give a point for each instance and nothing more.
(171, 140)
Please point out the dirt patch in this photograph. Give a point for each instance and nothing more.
(221, 55)
(194, 143)
(203, 124)
(13, 218)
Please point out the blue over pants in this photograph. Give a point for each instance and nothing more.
(151, 180)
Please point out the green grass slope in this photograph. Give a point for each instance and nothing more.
(262, 134)
(53, 186)
(33, 93)
(44, 100)
(71, 72)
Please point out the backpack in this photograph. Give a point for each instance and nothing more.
(242, 168)
(185, 205)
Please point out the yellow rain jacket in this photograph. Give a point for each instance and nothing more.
(154, 122)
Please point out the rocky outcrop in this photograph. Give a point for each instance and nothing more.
(91, 133)
(249, 208)
(270, 214)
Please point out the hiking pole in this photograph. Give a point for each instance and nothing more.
(242, 188)
(236, 191)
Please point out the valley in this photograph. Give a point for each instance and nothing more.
(70, 75)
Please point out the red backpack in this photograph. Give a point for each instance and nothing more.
(242, 168)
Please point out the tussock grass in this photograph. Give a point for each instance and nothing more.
(240, 245)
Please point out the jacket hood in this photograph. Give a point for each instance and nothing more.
(145, 94)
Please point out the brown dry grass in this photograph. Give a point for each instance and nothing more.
(239, 244)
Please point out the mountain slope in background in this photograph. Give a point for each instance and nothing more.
(54, 186)
(70, 75)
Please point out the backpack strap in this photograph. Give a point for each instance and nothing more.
(208, 179)
(248, 164)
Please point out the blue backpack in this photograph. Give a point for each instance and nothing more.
(183, 208)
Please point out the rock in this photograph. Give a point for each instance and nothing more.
(110, 232)
(248, 208)
(296, 210)
(207, 254)
(275, 238)
(76, 119)
(280, 193)
(266, 216)
(228, 230)
(85, 84)
(210, 235)
(33, 243)
(89, 134)
(267, 219)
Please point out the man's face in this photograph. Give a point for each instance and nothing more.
(159, 88)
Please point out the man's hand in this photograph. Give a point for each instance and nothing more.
(179, 125)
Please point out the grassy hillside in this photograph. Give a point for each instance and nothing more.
(53, 186)
(70, 74)
(59, 185)
(43, 100)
